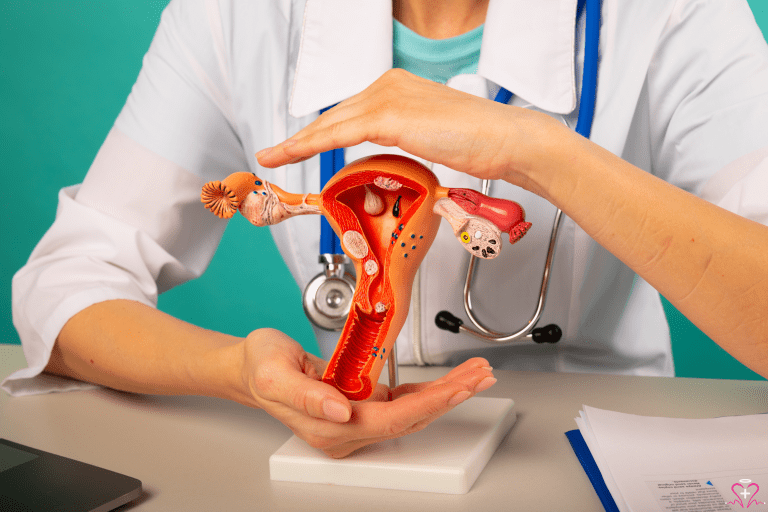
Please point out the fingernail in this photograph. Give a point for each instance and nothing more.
(335, 411)
(459, 397)
(489, 368)
(485, 384)
(263, 152)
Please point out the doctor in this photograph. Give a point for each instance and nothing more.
(681, 101)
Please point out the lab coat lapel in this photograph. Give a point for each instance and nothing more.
(528, 48)
(345, 46)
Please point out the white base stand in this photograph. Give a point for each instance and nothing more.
(446, 457)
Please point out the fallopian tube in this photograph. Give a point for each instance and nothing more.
(386, 210)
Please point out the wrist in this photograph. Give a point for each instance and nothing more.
(220, 371)
(544, 153)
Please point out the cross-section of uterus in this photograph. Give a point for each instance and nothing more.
(386, 211)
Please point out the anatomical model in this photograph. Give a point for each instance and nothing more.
(385, 210)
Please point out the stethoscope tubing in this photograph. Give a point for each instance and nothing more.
(525, 333)
(589, 73)
(330, 163)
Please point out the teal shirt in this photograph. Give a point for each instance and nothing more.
(436, 59)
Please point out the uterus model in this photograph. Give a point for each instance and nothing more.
(386, 211)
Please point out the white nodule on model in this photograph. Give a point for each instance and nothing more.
(355, 244)
(371, 267)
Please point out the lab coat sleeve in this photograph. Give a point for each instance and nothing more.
(135, 227)
(708, 95)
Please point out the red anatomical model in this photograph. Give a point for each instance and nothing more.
(385, 211)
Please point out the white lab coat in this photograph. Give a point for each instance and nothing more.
(682, 93)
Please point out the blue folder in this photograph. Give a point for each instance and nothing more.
(582, 452)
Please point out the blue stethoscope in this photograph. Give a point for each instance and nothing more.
(328, 296)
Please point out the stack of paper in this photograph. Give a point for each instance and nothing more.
(680, 465)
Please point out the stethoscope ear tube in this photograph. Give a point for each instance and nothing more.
(548, 334)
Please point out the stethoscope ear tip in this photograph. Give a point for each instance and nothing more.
(447, 322)
(548, 334)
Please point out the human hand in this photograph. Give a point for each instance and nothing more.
(281, 378)
(464, 132)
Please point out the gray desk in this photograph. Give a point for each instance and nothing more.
(194, 453)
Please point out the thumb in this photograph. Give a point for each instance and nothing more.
(314, 398)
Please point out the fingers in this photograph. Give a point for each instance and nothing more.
(382, 393)
(385, 419)
(461, 370)
(431, 397)
(317, 138)
(411, 412)
(475, 362)
(281, 154)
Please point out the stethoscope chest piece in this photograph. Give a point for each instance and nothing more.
(328, 296)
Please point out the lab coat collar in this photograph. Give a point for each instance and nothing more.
(528, 48)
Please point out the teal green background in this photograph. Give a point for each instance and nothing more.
(66, 68)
